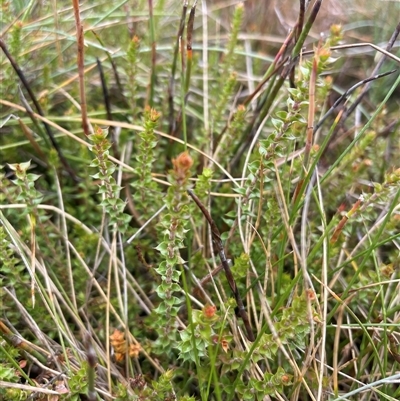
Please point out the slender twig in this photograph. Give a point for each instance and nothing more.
(300, 188)
(346, 95)
(31, 138)
(107, 104)
(81, 66)
(299, 28)
(172, 123)
(217, 241)
(300, 21)
(39, 110)
(310, 21)
(30, 112)
(364, 44)
(104, 88)
(182, 114)
(293, 58)
(311, 113)
(112, 62)
(189, 39)
(374, 72)
(153, 53)
(266, 99)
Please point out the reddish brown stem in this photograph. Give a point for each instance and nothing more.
(344, 220)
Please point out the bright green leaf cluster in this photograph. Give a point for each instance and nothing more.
(26, 184)
(241, 266)
(108, 188)
(146, 193)
(292, 328)
(288, 125)
(204, 326)
(78, 382)
(174, 233)
(256, 389)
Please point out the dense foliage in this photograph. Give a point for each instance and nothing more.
(199, 202)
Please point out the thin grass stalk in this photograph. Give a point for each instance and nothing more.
(153, 54)
(384, 342)
(279, 60)
(346, 94)
(81, 66)
(65, 239)
(307, 27)
(107, 317)
(267, 96)
(173, 69)
(300, 20)
(43, 340)
(14, 363)
(342, 301)
(324, 295)
(393, 204)
(263, 82)
(189, 50)
(311, 114)
(206, 105)
(183, 95)
(336, 348)
(112, 309)
(50, 302)
(19, 342)
(111, 61)
(363, 130)
(298, 201)
(372, 385)
(293, 58)
(30, 136)
(107, 105)
(378, 66)
(265, 106)
(309, 356)
(109, 12)
(122, 125)
(28, 10)
(29, 111)
(288, 236)
(39, 110)
(57, 38)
